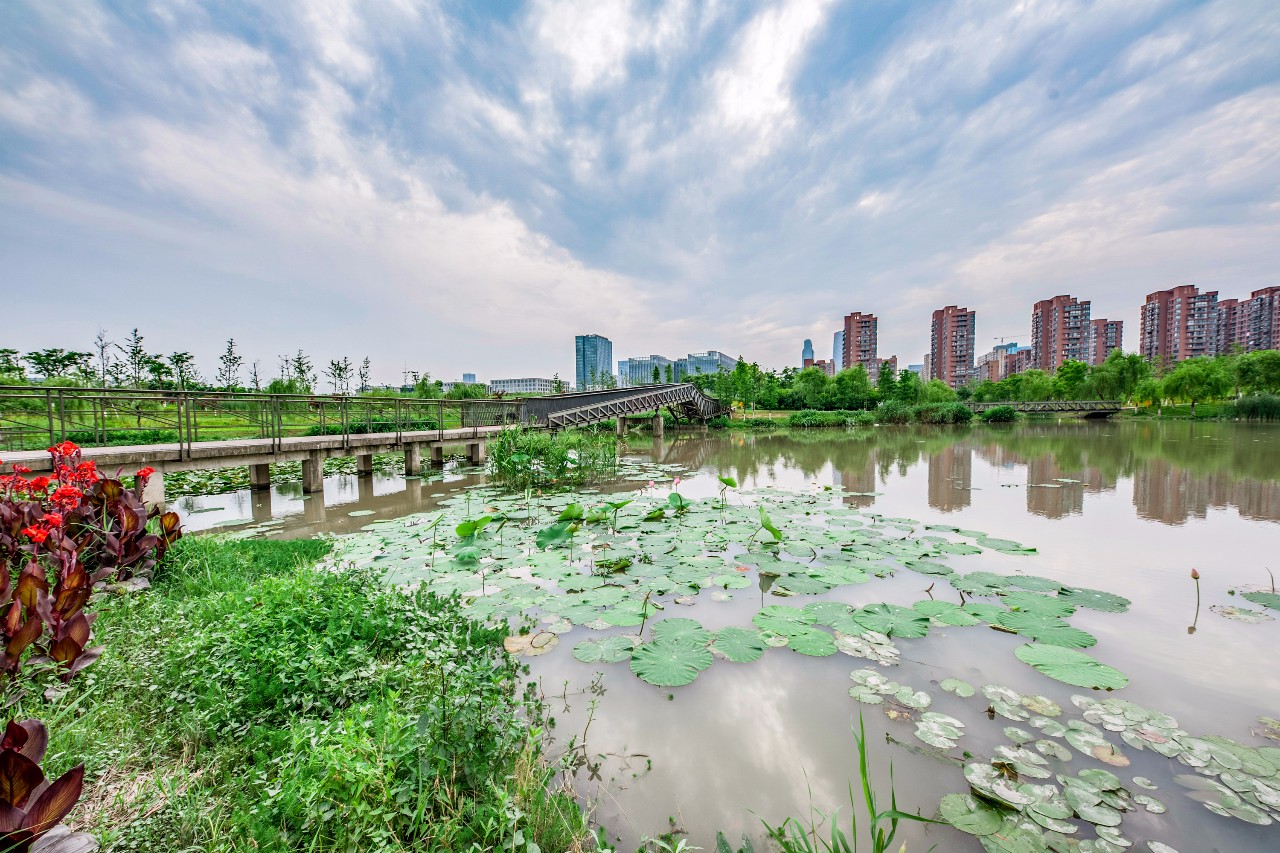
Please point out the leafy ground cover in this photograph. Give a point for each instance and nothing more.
(248, 701)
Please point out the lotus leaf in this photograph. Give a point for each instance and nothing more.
(994, 785)
(1094, 599)
(782, 619)
(680, 630)
(604, 650)
(669, 664)
(1053, 749)
(1266, 599)
(970, 814)
(812, 642)
(740, 645)
(1159, 847)
(893, 620)
(871, 645)
(1045, 628)
(946, 612)
(954, 685)
(1240, 614)
(1024, 761)
(1037, 603)
(1017, 735)
(989, 613)
(980, 583)
(1071, 667)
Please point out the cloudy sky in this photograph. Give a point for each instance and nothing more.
(458, 185)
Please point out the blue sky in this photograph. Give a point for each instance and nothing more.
(464, 186)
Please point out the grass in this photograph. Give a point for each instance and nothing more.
(248, 701)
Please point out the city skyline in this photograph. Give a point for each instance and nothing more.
(446, 186)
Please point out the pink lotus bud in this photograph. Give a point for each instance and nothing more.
(676, 481)
(1195, 576)
(651, 484)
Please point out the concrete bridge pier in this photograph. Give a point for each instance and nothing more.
(364, 464)
(412, 459)
(153, 494)
(476, 453)
(657, 425)
(437, 456)
(621, 421)
(313, 509)
(313, 473)
(364, 487)
(260, 477)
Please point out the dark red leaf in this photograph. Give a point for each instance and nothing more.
(26, 635)
(56, 802)
(19, 775)
(37, 740)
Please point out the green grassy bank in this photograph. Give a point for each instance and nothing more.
(250, 702)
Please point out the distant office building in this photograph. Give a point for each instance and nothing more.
(593, 360)
(1104, 336)
(468, 379)
(861, 340)
(917, 369)
(1178, 323)
(1060, 331)
(926, 369)
(522, 386)
(806, 353)
(837, 348)
(698, 363)
(640, 370)
(952, 333)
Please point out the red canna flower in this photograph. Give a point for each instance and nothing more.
(21, 469)
(39, 484)
(53, 519)
(35, 534)
(145, 473)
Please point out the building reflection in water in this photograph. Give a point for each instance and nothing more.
(951, 477)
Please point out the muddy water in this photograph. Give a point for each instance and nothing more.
(763, 741)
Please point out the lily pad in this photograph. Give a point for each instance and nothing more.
(1266, 599)
(1240, 614)
(893, 620)
(680, 630)
(963, 689)
(969, 814)
(604, 650)
(740, 645)
(1071, 667)
(1048, 629)
(669, 664)
(1094, 599)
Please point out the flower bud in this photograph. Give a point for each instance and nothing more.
(1195, 576)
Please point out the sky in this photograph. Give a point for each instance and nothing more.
(458, 186)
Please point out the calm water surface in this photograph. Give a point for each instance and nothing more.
(769, 739)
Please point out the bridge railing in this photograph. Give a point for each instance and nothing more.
(1050, 405)
(34, 417)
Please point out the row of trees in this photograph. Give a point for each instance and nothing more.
(811, 388)
(129, 364)
(1132, 379)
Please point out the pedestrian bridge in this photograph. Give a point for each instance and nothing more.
(1088, 408)
(182, 430)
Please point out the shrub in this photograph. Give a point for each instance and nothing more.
(999, 415)
(1258, 407)
(942, 413)
(527, 459)
(809, 418)
(32, 806)
(893, 412)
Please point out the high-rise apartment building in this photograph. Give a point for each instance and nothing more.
(991, 365)
(593, 361)
(1178, 323)
(1104, 336)
(861, 338)
(951, 356)
(837, 348)
(882, 365)
(806, 353)
(1017, 360)
(1261, 321)
(1060, 331)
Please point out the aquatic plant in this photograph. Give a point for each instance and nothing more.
(520, 458)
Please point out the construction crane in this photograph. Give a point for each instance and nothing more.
(1003, 338)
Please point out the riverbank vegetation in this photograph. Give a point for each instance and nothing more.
(248, 701)
(533, 459)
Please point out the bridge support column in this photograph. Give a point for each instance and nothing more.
(657, 425)
(153, 494)
(622, 425)
(412, 459)
(437, 455)
(364, 464)
(260, 506)
(259, 477)
(313, 473)
(476, 453)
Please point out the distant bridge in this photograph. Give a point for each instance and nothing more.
(1088, 408)
(181, 430)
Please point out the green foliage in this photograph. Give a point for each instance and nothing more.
(525, 459)
(999, 415)
(260, 704)
(893, 412)
(943, 413)
(840, 418)
(1257, 407)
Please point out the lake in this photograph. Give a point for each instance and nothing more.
(1127, 508)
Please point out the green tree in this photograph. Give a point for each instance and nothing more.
(557, 384)
(302, 372)
(1259, 372)
(852, 388)
(133, 367)
(363, 375)
(671, 373)
(183, 367)
(937, 391)
(229, 366)
(811, 388)
(1196, 380)
(657, 374)
(11, 364)
(909, 388)
(886, 384)
(1069, 380)
(55, 362)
